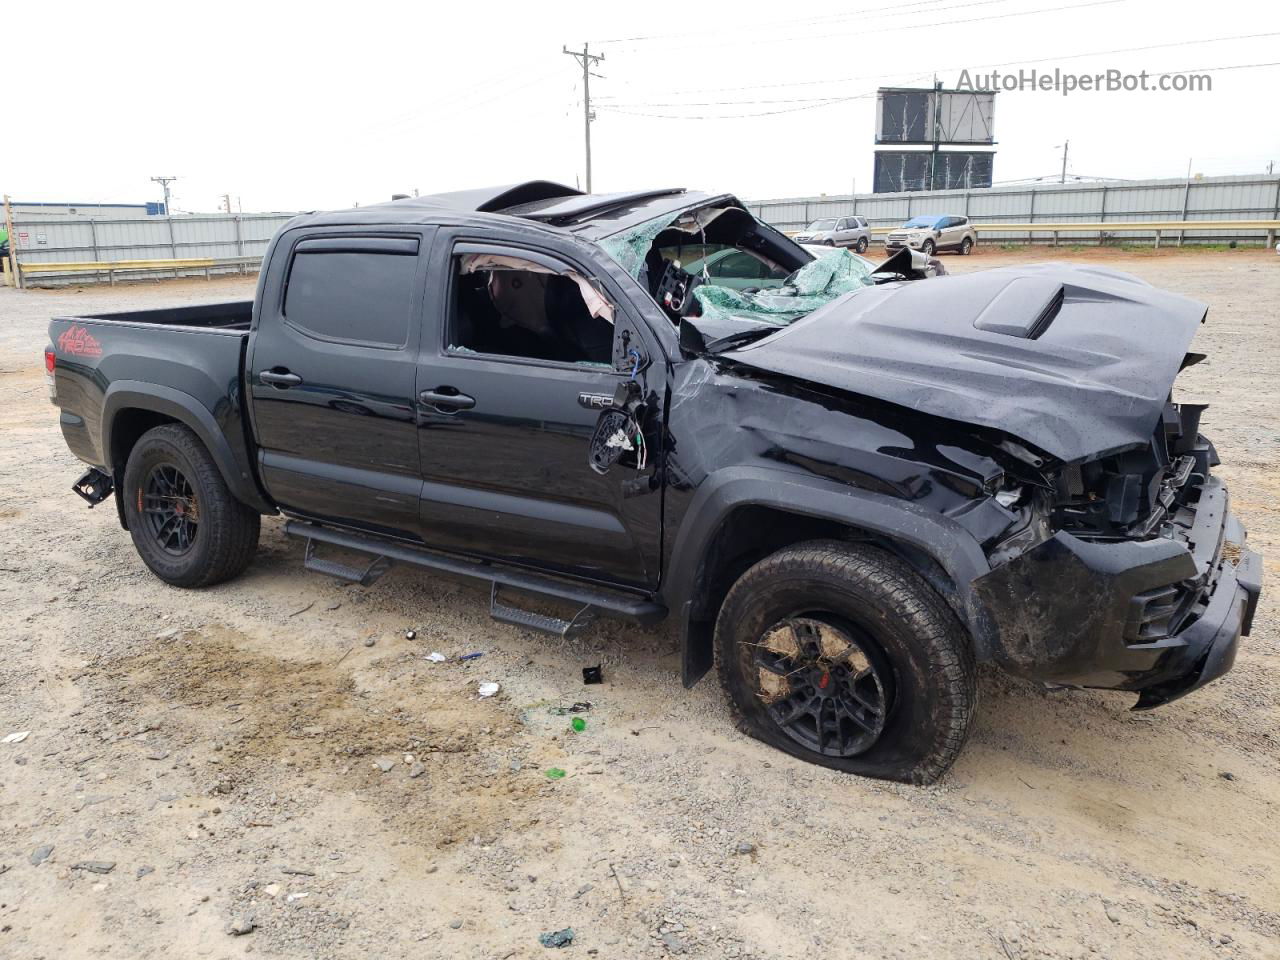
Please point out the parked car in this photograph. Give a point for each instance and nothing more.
(847, 492)
(933, 234)
(838, 232)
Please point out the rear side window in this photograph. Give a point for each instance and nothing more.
(360, 291)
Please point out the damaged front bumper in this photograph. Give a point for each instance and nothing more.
(1159, 617)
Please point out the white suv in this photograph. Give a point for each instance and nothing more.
(930, 234)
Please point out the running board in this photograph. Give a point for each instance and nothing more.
(589, 599)
(365, 577)
(538, 621)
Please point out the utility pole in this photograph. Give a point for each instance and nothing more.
(226, 200)
(14, 277)
(1065, 145)
(587, 59)
(937, 131)
(164, 182)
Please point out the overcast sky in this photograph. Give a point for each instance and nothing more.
(318, 105)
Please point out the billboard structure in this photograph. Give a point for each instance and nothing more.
(901, 170)
(937, 118)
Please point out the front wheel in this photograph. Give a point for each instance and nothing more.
(828, 243)
(862, 245)
(841, 655)
(965, 246)
(927, 248)
(187, 527)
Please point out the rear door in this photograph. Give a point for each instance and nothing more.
(331, 373)
(952, 232)
(513, 373)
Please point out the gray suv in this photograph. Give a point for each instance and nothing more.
(838, 232)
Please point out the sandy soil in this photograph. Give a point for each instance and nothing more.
(222, 748)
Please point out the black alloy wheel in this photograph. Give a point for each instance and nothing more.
(825, 683)
(172, 511)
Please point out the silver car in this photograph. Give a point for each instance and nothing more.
(837, 232)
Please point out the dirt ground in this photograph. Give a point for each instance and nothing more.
(224, 750)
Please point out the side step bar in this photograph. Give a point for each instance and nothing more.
(590, 599)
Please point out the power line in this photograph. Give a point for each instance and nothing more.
(809, 37)
(983, 66)
(859, 96)
(899, 11)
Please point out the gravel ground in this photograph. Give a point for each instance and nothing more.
(204, 774)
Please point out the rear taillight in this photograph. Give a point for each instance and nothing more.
(50, 361)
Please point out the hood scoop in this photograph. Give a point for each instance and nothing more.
(1074, 361)
(1024, 308)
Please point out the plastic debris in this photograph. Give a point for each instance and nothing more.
(435, 656)
(557, 938)
(16, 737)
(581, 706)
(592, 674)
(578, 724)
(555, 773)
(488, 689)
(472, 656)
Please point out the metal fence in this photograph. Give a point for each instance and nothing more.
(1210, 198)
(241, 237)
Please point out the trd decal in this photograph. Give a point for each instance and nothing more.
(595, 401)
(79, 342)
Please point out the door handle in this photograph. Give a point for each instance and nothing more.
(279, 378)
(447, 399)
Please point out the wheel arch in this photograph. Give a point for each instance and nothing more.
(130, 409)
(735, 521)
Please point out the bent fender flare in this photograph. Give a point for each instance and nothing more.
(951, 546)
(187, 410)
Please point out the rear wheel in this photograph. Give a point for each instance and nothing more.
(862, 245)
(187, 527)
(965, 246)
(840, 654)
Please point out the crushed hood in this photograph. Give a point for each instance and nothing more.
(1076, 361)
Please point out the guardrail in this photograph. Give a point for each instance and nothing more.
(113, 267)
(1156, 227)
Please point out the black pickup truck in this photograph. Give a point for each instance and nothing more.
(846, 485)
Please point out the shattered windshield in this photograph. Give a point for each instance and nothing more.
(731, 285)
(812, 286)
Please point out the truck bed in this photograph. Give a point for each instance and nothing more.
(222, 316)
(182, 362)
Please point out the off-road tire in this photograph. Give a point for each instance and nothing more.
(927, 248)
(966, 245)
(226, 534)
(862, 245)
(926, 650)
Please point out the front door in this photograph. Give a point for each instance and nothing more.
(510, 388)
(332, 371)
